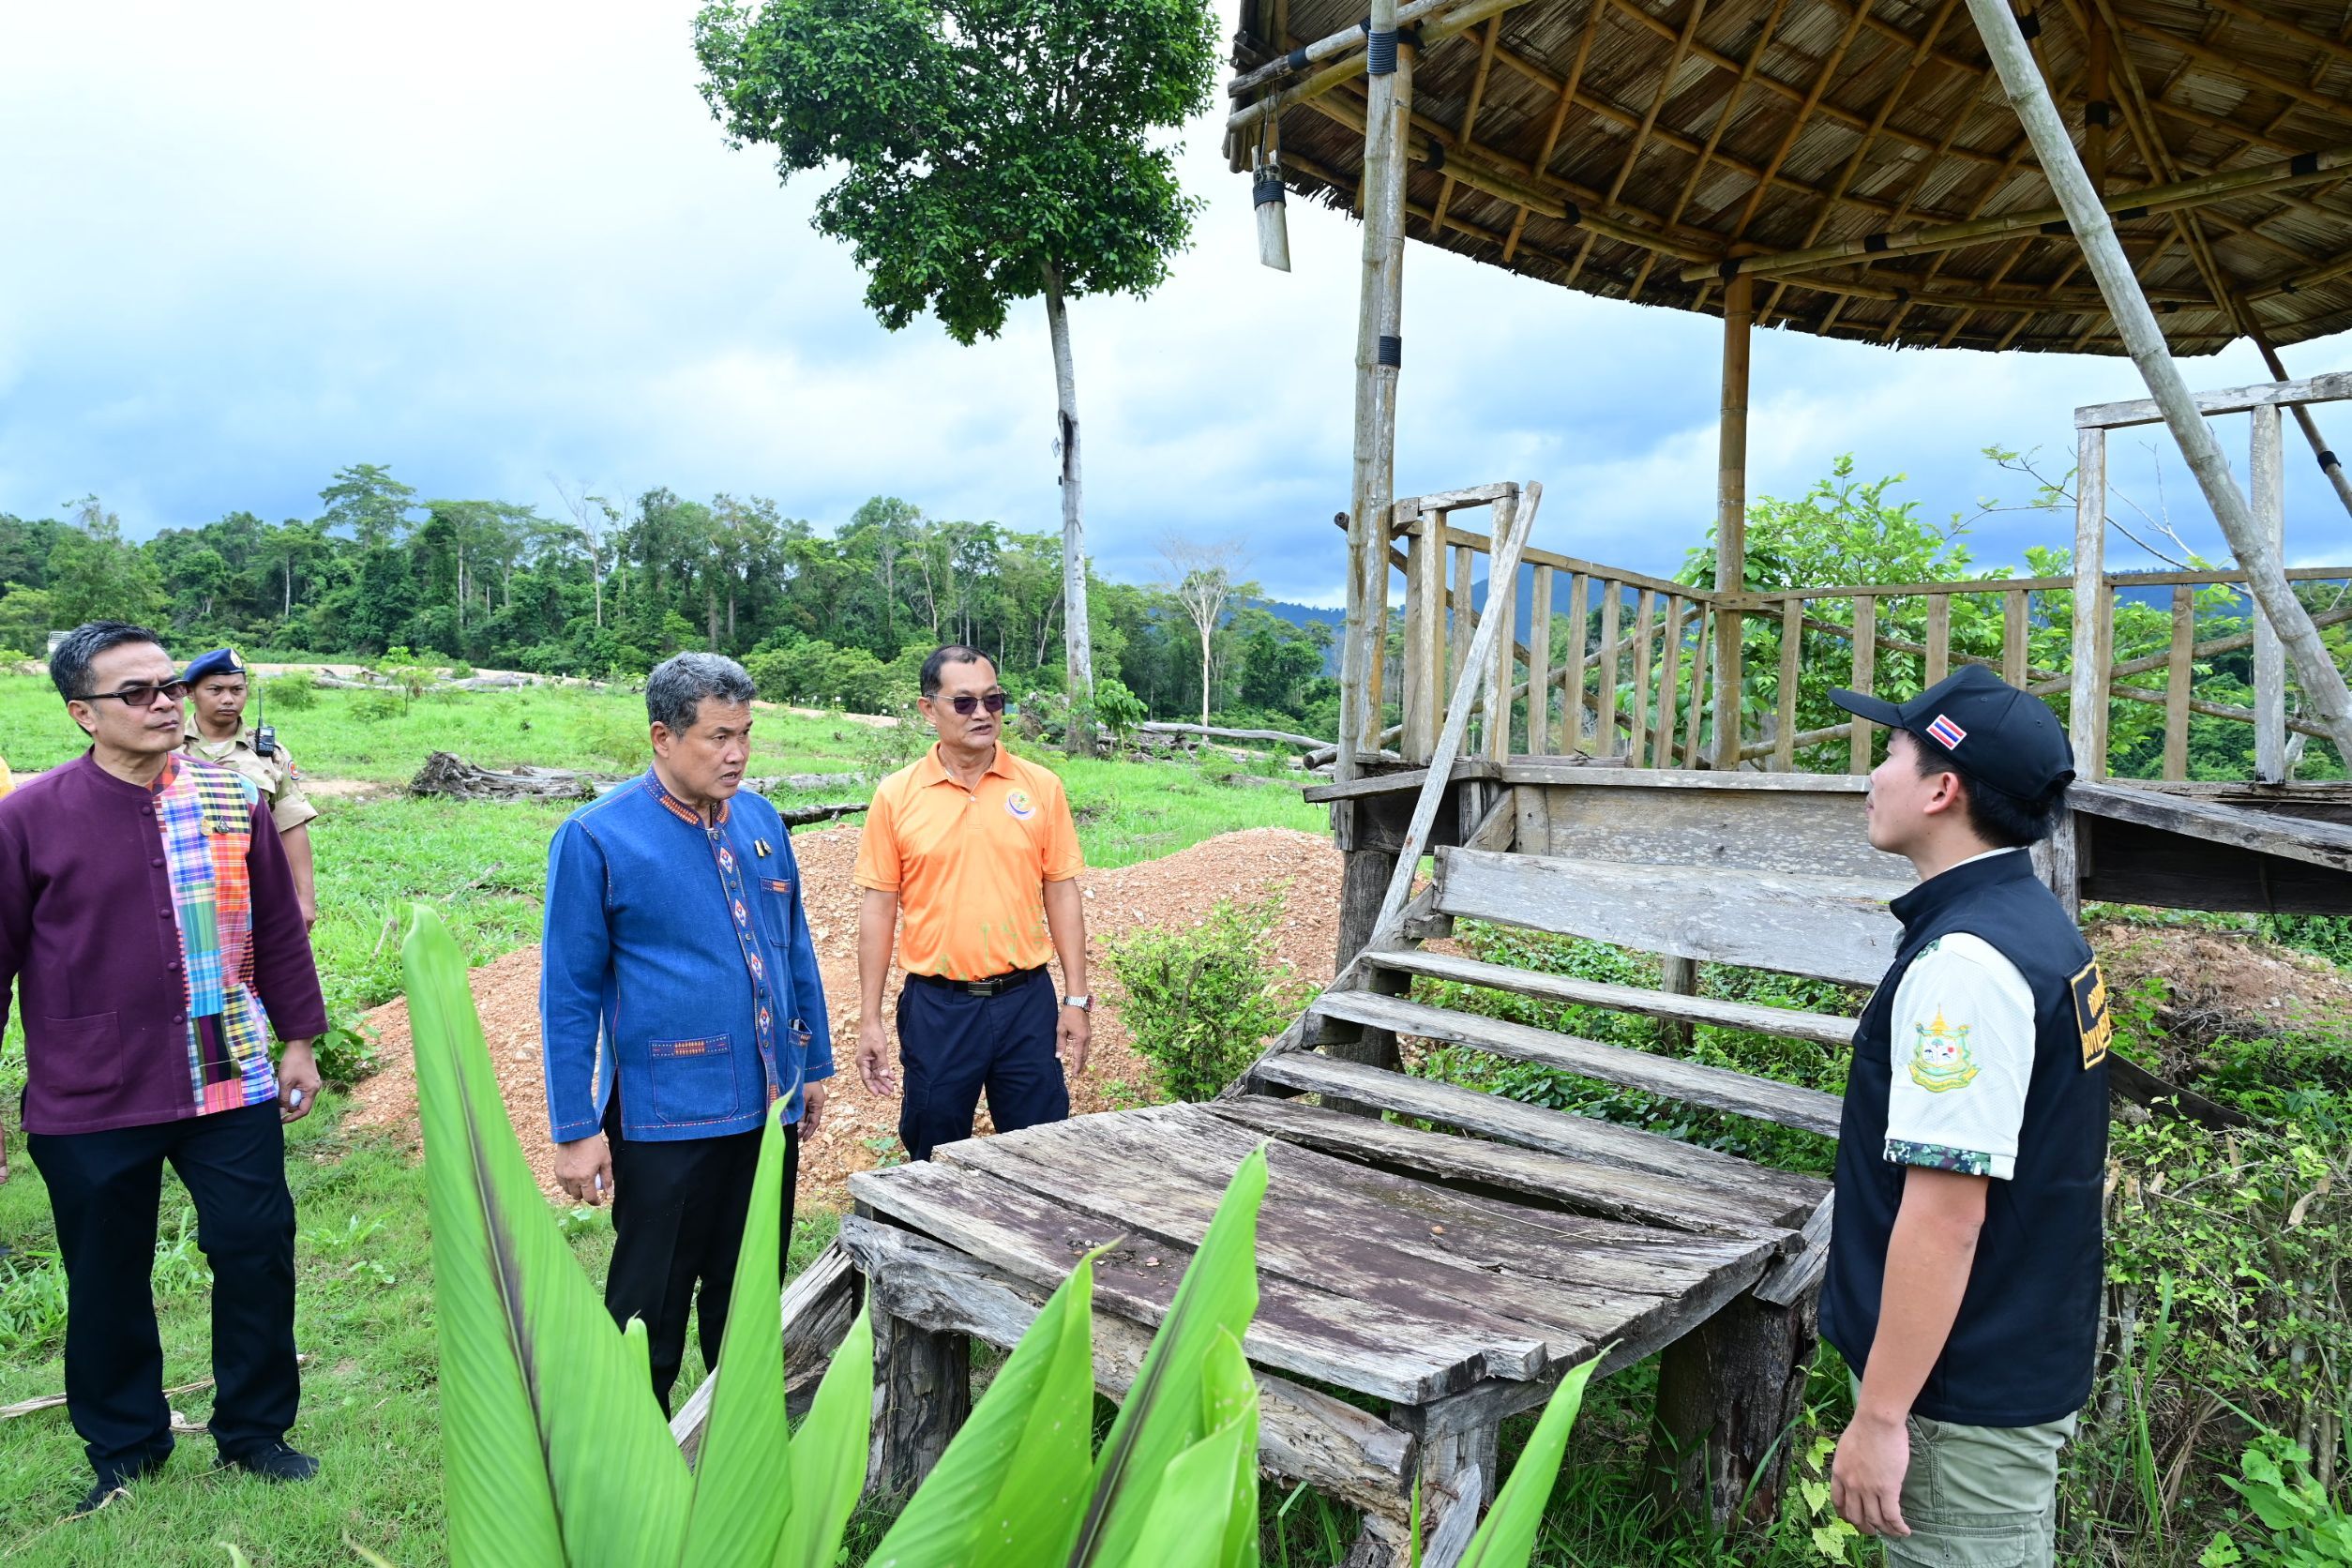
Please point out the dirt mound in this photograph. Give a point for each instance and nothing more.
(2215, 984)
(859, 1128)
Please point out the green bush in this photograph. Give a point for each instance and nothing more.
(625, 740)
(374, 707)
(1202, 998)
(1117, 709)
(295, 692)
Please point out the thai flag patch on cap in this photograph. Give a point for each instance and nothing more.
(1946, 733)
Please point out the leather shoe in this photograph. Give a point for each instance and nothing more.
(111, 1481)
(272, 1461)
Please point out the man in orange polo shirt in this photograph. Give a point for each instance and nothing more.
(974, 851)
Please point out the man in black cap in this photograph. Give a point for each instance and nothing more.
(216, 694)
(1968, 1315)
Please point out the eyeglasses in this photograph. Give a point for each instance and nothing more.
(967, 707)
(138, 696)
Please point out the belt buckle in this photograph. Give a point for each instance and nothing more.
(980, 988)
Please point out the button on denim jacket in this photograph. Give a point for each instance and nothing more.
(666, 936)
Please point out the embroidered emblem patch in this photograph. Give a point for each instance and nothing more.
(1019, 805)
(1940, 1056)
(2090, 1013)
(1946, 733)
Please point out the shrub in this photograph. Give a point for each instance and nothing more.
(374, 707)
(461, 670)
(296, 692)
(1117, 709)
(1202, 998)
(772, 671)
(625, 740)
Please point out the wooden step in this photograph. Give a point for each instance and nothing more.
(1787, 1023)
(1743, 1192)
(1716, 1088)
(1824, 927)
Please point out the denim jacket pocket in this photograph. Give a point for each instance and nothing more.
(693, 1079)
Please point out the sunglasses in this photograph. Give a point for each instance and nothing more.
(967, 707)
(138, 696)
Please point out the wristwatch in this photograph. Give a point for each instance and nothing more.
(1082, 1002)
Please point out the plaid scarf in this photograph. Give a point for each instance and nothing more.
(206, 816)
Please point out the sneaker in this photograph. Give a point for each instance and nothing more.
(112, 1483)
(272, 1461)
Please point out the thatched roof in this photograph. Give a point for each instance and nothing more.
(1613, 145)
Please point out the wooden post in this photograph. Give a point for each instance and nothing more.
(1539, 668)
(922, 1393)
(1605, 711)
(2327, 701)
(1698, 708)
(1425, 598)
(1730, 1394)
(1464, 617)
(1503, 608)
(1792, 630)
(1572, 678)
(2329, 463)
(1379, 355)
(2086, 716)
(2015, 647)
(1637, 740)
(2268, 474)
(1938, 638)
(2179, 670)
(1731, 511)
(1865, 671)
(1669, 686)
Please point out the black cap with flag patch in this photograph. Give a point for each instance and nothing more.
(2008, 738)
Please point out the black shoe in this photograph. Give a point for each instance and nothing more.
(272, 1461)
(112, 1482)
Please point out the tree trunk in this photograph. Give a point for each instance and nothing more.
(1077, 649)
(1204, 680)
(289, 609)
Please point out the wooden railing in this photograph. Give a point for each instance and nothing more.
(1616, 662)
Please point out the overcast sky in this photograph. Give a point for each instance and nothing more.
(482, 244)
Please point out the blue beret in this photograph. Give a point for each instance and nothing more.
(221, 661)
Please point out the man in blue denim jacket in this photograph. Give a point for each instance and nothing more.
(679, 1001)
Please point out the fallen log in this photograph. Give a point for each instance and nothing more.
(445, 774)
(1215, 732)
(802, 816)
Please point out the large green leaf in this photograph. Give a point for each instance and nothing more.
(743, 1484)
(829, 1455)
(1193, 1508)
(1507, 1538)
(1166, 1413)
(554, 1451)
(1009, 1491)
(1229, 1401)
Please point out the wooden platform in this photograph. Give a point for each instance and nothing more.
(1452, 1278)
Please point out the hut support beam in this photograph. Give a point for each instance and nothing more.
(2323, 685)
(2329, 463)
(1731, 510)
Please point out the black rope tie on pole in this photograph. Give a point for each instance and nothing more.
(2095, 112)
(2029, 24)
(1390, 351)
(1874, 243)
(1571, 214)
(2327, 460)
(1295, 60)
(1265, 187)
(2057, 226)
(1380, 54)
(2303, 163)
(1437, 156)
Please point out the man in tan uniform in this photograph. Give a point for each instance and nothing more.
(216, 693)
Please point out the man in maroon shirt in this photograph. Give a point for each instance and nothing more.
(146, 1040)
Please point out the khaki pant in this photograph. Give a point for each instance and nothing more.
(1980, 1497)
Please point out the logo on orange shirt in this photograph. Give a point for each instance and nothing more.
(1019, 805)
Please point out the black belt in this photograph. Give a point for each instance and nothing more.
(994, 986)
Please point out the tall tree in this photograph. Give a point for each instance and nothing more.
(95, 574)
(366, 499)
(991, 151)
(1201, 578)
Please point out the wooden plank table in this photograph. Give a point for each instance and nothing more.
(1453, 1279)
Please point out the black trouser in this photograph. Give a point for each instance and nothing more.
(678, 1216)
(103, 1189)
(951, 1044)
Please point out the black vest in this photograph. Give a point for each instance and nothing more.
(2022, 1348)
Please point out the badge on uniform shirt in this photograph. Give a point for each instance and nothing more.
(1940, 1056)
(2090, 1014)
(759, 848)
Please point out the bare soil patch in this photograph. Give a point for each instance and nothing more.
(860, 1129)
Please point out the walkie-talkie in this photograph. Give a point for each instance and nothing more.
(264, 737)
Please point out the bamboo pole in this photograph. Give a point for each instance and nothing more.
(1792, 630)
(1539, 667)
(1513, 529)
(2267, 469)
(2323, 685)
(2097, 110)
(1731, 510)
(1379, 357)
(2180, 671)
(1343, 55)
(1572, 674)
(1865, 672)
(2284, 174)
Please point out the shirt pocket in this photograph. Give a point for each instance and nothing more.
(776, 908)
(693, 1079)
(75, 1058)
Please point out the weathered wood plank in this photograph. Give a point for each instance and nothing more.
(922, 1393)
(1794, 1274)
(1572, 674)
(2267, 498)
(2015, 651)
(1570, 770)
(2179, 671)
(2235, 399)
(1580, 1187)
(1792, 632)
(1688, 1083)
(1302, 1434)
(1405, 781)
(1773, 1196)
(1604, 723)
(1784, 1023)
(1805, 831)
(2129, 862)
(1865, 671)
(1312, 1333)
(1938, 638)
(1638, 736)
(2317, 843)
(1827, 927)
(1539, 667)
